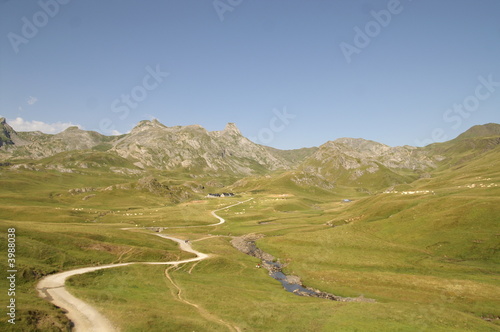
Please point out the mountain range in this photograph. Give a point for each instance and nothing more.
(414, 228)
(192, 150)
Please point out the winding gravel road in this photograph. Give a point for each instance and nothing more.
(85, 317)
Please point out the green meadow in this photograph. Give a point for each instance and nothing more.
(430, 260)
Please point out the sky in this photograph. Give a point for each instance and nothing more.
(288, 73)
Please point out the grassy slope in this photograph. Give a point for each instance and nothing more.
(231, 288)
(439, 251)
(431, 261)
(423, 275)
(58, 231)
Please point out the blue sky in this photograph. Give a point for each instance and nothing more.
(289, 73)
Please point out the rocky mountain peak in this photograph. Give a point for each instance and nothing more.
(196, 150)
(231, 129)
(359, 143)
(147, 124)
(8, 136)
(195, 128)
(72, 129)
(155, 122)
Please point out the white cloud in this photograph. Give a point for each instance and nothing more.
(115, 132)
(32, 100)
(19, 124)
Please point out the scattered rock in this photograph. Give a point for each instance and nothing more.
(81, 190)
(152, 185)
(246, 244)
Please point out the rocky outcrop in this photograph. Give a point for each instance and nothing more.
(246, 244)
(152, 185)
(358, 153)
(354, 162)
(8, 136)
(37, 145)
(76, 191)
(363, 163)
(196, 149)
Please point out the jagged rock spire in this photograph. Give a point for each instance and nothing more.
(231, 129)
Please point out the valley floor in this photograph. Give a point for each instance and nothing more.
(429, 260)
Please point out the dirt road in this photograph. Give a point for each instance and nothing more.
(85, 317)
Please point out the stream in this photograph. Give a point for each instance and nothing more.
(289, 283)
(246, 244)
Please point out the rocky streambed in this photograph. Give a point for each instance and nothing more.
(246, 244)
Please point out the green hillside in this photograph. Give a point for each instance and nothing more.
(419, 234)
